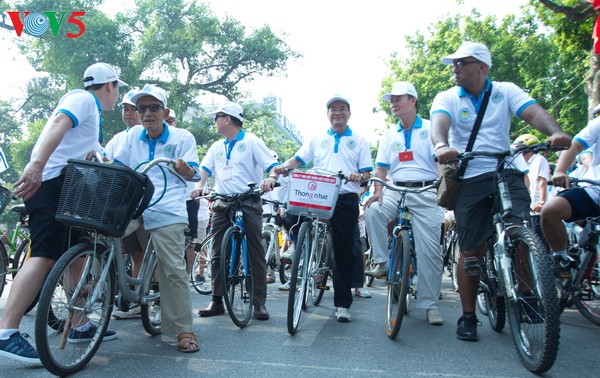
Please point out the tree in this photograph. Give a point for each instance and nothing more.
(517, 45)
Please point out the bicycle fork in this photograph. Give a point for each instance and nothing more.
(503, 261)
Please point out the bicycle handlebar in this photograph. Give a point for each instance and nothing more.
(470, 155)
(575, 180)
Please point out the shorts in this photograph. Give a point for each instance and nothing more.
(49, 238)
(136, 241)
(582, 205)
(192, 210)
(476, 201)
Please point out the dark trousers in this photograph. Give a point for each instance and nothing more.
(343, 222)
(358, 278)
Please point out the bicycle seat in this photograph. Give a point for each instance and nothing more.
(20, 209)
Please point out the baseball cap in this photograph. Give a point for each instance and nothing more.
(100, 73)
(230, 108)
(475, 49)
(127, 98)
(151, 90)
(401, 88)
(172, 113)
(338, 97)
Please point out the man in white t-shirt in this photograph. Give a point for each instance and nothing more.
(453, 115)
(72, 131)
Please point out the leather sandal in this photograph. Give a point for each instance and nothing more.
(189, 340)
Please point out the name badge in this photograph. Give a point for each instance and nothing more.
(405, 156)
(226, 173)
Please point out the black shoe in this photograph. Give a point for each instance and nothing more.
(562, 265)
(467, 328)
(531, 312)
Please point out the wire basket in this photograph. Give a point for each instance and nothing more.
(98, 196)
(313, 194)
(5, 198)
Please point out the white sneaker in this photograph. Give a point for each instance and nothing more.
(285, 286)
(379, 270)
(133, 313)
(434, 317)
(288, 255)
(362, 292)
(342, 314)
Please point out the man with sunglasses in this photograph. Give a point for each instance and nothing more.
(453, 116)
(167, 219)
(237, 159)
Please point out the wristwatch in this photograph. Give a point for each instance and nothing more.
(439, 145)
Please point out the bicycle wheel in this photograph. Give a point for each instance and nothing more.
(150, 311)
(454, 256)
(494, 304)
(369, 265)
(299, 279)
(587, 299)
(533, 314)
(3, 267)
(398, 284)
(319, 268)
(239, 291)
(77, 294)
(200, 275)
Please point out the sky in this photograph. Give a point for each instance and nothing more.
(345, 47)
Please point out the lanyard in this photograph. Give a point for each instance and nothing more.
(228, 148)
(407, 137)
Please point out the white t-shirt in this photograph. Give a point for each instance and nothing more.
(116, 141)
(175, 144)
(538, 167)
(331, 151)
(84, 110)
(506, 99)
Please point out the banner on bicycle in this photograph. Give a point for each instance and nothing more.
(313, 193)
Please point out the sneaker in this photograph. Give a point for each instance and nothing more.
(199, 278)
(288, 255)
(270, 279)
(467, 328)
(362, 292)
(17, 348)
(342, 314)
(531, 313)
(562, 265)
(76, 337)
(133, 313)
(285, 286)
(434, 317)
(154, 315)
(379, 270)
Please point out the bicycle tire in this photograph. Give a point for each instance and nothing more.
(299, 279)
(369, 265)
(534, 322)
(3, 267)
(203, 262)
(59, 356)
(495, 303)
(587, 298)
(237, 278)
(269, 243)
(285, 271)
(321, 266)
(454, 256)
(150, 311)
(397, 286)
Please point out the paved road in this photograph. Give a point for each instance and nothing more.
(325, 348)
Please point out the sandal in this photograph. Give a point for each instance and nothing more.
(187, 342)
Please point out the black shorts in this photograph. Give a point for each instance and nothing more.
(49, 238)
(136, 241)
(192, 211)
(582, 205)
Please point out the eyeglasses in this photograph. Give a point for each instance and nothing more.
(460, 64)
(220, 116)
(152, 107)
(340, 109)
(171, 120)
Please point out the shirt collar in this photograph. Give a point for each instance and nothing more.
(239, 136)
(98, 105)
(163, 137)
(463, 92)
(417, 125)
(348, 132)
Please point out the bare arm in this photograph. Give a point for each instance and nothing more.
(380, 172)
(440, 126)
(565, 161)
(539, 118)
(199, 190)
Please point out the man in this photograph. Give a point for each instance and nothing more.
(171, 118)
(71, 132)
(405, 156)
(339, 148)
(453, 114)
(166, 219)
(234, 162)
(571, 205)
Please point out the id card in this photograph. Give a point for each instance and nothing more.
(227, 173)
(405, 156)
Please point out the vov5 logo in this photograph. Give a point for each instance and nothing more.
(38, 23)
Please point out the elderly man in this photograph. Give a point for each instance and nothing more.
(405, 156)
(453, 115)
(167, 219)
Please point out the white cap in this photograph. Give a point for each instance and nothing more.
(338, 97)
(596, 109)
(151, 90)
(230, 108)
(172, 114)
(476, 50)
(127, 98)
(100, 73)
(401, 88)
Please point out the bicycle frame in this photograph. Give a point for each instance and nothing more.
(237, 217)
(404, 217)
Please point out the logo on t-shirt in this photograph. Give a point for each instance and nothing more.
(423, 134)
(397, 147)
(325, 144)
(220, 156)
(241, 146)
(351, 144)
(169, 151)
(465, 114)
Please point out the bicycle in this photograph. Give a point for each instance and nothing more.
(202, 266)
(272, 238)
(312, 261)
(234, 265)
(451, 253)
(582, 286)
(402, 261)
(101, 199)
(516, 275)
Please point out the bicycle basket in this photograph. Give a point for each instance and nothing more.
(314, 194)
(100, 196)
(5, 197)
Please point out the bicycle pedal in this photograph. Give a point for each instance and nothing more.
(323, 287)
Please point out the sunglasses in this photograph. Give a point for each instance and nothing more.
(153, 108)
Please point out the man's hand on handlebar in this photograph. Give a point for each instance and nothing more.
(445, 154)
